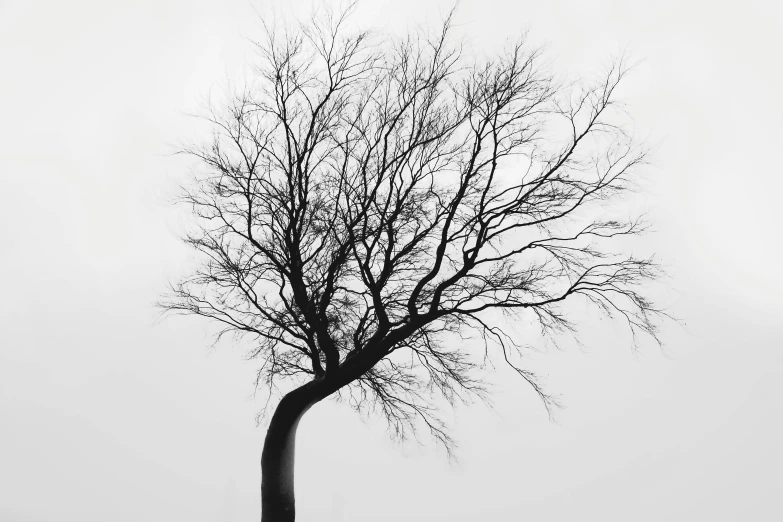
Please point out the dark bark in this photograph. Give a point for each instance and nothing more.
(278, 502)
(277, 458)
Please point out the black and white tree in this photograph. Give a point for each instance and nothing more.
(368, 204)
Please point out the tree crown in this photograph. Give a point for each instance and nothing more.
(361, 201)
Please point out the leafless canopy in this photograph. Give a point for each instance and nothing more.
(363, 201)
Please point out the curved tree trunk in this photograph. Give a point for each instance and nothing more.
(277, 458)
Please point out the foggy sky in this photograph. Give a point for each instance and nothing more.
(111, 413)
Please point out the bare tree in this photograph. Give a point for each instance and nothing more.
(364, 201)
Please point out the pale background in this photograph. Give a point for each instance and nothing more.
(109, 414)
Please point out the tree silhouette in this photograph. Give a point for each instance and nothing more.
(364, 200)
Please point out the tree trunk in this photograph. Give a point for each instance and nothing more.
(277, 458)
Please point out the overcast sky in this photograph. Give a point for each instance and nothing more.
(110, 414)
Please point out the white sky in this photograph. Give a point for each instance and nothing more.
(110, 414)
